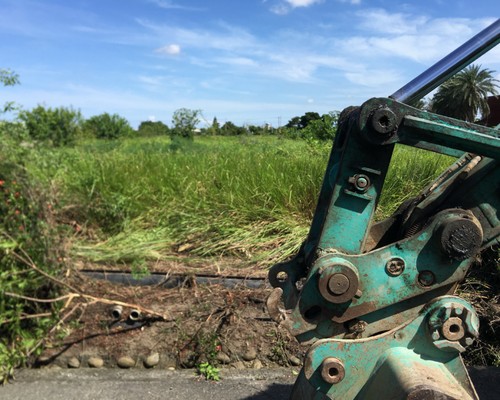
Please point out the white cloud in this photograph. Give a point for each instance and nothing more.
(238, 61)
(302, 3)
(280, 9)
(374, 78)
(152, 118)
(171, 49)
(414, 37)
(381, 21)
(170, 5)
(151, 80)
(227, 38)
(284, 7)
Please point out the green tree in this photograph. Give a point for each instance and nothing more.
(184, 122)
(230, 129)
(464, 96)
(56, 126)
(323, 128)
(153, 128)
(421, 104)
(214, 128)
(294, 123)
(8, 78)
(107, 126)
(307, 118)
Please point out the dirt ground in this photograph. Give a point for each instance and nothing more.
(180, 327)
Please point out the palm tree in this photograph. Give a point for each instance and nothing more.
(465, 95)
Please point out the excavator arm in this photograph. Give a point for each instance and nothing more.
(375, 299)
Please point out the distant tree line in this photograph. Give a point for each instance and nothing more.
(63, 126)
(464, 96)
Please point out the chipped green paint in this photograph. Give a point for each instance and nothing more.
(407, 353)
(372, 299)
(339, 286)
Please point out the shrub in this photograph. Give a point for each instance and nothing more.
(26, 239)
(152, 128)
(312, 128)
(108, 126)
(56, 126)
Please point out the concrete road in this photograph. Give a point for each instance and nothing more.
(115, 384)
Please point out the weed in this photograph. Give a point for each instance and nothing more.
(279, 353)
(139, 269)
(208, 371)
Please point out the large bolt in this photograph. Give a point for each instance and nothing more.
(332, 370)
(338, 280)
(462, 237)
(338, 284)
(395, 266)
(384, 122)
(360, 182)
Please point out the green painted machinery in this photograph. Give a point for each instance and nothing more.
(375, 300)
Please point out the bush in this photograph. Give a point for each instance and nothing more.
(26, 239)
(150, 128)
(56, 126)
(230, 129)
(107, 126)
(311, 128)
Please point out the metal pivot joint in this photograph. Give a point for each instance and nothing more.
(338, 280)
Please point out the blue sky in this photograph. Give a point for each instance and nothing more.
(247, 61)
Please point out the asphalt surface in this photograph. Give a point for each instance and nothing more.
(116, 384)
(113, 384)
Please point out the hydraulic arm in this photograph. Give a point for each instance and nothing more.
(375, 300)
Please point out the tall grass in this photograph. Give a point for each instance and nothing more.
(251, 197)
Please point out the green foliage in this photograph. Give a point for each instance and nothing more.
(108, 126)
(214, 129)
(312, 126)
(8, 78)
(184, 122)
(230, 129)
(54, 126)
(208, 371)
(303, 121)
(464, 96)
(26, 238)
(152, 128)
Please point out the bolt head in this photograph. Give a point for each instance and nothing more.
(395, 266)
(426, 278)
(338, 284)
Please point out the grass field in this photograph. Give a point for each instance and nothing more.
(244, 199)
(249, 197)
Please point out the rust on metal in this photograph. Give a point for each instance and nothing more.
(332, 370)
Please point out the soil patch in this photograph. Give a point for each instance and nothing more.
(202, 323)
